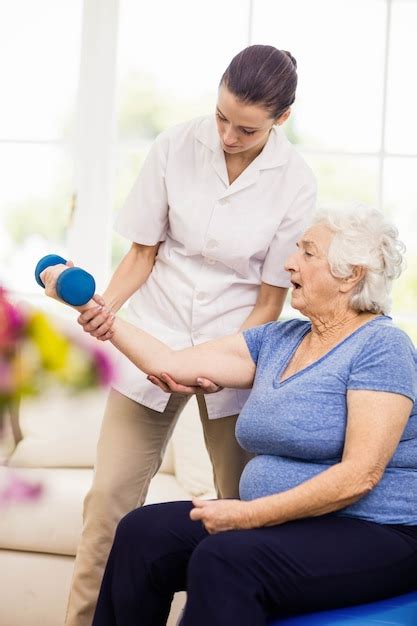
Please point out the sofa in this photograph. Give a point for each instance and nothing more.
(53, 443)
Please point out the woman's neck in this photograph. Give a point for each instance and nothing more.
(237, 163)
(245, 158)
(328, 331)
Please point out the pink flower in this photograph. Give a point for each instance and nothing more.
(104, 366)
(12, 322)
(19, 490)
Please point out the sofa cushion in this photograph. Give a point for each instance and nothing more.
(59, 430)
(35, 587)
(62, 431)
(53, 523)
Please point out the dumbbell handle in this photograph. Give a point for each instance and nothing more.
(74, 285)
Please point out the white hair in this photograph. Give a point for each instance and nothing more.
(364, 237)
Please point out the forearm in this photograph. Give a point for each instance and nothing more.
(130, 275)
(261, 315)
(268, 307)
(148, 353)
(335, 488)
(226, 360)
(219, 360)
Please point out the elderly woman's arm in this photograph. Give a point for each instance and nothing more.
(376, 421)
(226, 360)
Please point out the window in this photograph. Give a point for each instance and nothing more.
(39, 67)
(354, 115)
(353, 119)
(168, 71)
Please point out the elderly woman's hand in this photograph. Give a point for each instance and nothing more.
(50, 275)
(168, 384)
(220, 515)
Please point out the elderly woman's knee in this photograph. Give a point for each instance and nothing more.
(155, 524)
(134, 526)
(129, 528)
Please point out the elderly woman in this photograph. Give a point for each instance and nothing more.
(327, 514)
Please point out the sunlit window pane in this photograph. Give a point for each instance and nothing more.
(345, 181)
(400, 194)
(35, 198)
(129, 160)
(168, 71)
(171, 57)
(339, 47)
(401, 135)
(401, 204)
(39, 66)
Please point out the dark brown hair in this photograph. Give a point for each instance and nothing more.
(263, 75)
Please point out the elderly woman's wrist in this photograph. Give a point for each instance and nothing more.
(253, 514)
(265, 513)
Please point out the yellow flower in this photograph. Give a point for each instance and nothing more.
(34, 354)
(53, 347)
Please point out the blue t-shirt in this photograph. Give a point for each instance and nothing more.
(297, 427)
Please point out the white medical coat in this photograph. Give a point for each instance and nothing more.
(219, 242)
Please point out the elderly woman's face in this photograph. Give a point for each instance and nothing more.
(315, 291)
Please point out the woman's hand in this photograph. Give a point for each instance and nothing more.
(220, 515)
(168, 384)
(98, 321)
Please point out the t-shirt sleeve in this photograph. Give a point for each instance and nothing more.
(287, 234)
(254, 338)
(386, 363)
(144, 216)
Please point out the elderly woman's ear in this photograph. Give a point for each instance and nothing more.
(350, 282)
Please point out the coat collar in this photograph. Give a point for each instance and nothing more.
(275, 153)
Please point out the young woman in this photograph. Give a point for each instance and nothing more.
(217, 207)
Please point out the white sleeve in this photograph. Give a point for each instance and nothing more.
(287, 234)
(144, 216)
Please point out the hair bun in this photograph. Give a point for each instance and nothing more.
(290, 56)
(263, 75)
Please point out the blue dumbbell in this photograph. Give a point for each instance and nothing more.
(74, 285)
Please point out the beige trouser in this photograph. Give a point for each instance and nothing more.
(132, 442)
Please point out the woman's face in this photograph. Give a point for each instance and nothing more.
(242, 127)
(316, 292)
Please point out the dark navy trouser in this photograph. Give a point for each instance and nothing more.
(243, 577)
